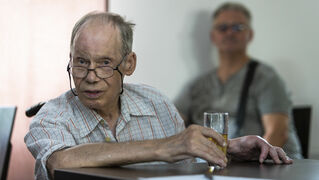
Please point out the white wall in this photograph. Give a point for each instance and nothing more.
(172, 44)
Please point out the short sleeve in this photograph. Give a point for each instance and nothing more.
(47, 135)
(273, 96)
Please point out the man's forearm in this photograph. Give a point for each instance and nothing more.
(104, 154)
(277, 138)
(192, 142)
(275, 128)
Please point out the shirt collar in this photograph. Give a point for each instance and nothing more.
(86, 119)
(131, 105)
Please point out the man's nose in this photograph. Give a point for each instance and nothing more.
(92, 77)
(229, 31)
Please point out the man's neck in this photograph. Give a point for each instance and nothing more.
(230, 63)
(110, 114)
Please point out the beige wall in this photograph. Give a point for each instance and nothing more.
(34, 48)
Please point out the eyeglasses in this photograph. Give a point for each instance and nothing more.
(102, 72)
(234, 27)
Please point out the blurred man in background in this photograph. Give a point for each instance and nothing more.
(252, 92)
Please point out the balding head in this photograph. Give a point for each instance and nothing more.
(104, 18)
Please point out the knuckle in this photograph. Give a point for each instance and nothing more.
(192, 127)
(191, 133)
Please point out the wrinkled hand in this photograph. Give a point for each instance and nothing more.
(193, 142)
(256, 148)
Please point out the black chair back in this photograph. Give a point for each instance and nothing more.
(7, 116)
(302, 119)
(33, 110)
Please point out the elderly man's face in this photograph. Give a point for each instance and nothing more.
(231, 32)
(97, 45)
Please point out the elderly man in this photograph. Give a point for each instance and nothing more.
(261, 106)
(103, 122)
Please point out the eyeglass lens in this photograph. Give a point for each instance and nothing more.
(101, 72)
(233, 27)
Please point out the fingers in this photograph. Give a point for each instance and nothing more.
(263, 153)
(282, 155)
(208, 132)
(274, 155)
(267, 150)
(277, 154)
(216, 143)
(214, 150)
(210, 157)
(264, 148)
(198, 145)
(210, 148)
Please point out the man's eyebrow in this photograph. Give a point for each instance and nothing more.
(87, 56)
(105, 57)
(82, 54)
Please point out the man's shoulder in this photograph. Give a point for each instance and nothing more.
(64, 98)
(52, 105)
(204, 82)
(143, 91)
(266, 76)
(264, 67)
(266, 71)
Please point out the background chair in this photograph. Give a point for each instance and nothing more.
(302, 119)
(7, 116)
(33, 110)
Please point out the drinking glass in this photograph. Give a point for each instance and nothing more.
(219, 122)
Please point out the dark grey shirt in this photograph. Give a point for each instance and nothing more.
(267, 94)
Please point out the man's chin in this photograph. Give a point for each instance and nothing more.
(91, 103)
(95, 107)
(232, 50)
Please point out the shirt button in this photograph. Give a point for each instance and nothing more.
(102, 122)
(107, 139)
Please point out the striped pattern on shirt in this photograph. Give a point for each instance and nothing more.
(65, 122)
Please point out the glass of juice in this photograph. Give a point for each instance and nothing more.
(219, 122)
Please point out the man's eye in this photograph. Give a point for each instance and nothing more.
(82, 61)
(106, 62)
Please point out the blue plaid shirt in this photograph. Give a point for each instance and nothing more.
(65, 122)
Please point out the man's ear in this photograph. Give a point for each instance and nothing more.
(130, 64)
(250, 36)
(211, 36)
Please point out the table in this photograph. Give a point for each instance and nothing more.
(300, 169)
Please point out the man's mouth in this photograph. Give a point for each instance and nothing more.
(93, 94)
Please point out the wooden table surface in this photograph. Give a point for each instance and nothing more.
(300, 169)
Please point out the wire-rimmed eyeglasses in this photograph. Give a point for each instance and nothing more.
(102, 72)
(233, 27)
